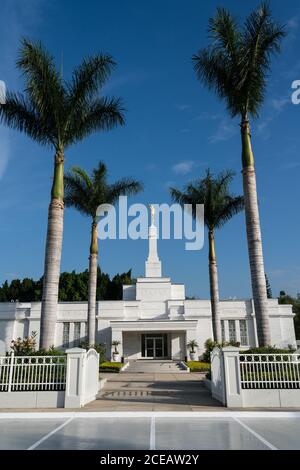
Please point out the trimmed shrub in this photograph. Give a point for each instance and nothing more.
(198, 366)
(268, 350)
(110, 366)
(210, 345)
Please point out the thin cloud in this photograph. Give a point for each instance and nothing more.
(225, 131)
(207, 116)
(4, 150)
(184, 167)
(293, 23)
(182, 107)
(17, 18)
(277, 106)
(169, 184)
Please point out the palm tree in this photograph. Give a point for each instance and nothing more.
(236, 66)
(219, 207)
(57, 114)
(86, 193)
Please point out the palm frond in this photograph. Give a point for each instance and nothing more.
(82, 174)
(88, 78)
(43, 83)
(224, 31)
(261, 39)
(19, 113)
(99, 174)
(77, 192)
(123, 187)
(213, 192)
(237, 61)
(230, 207)
(86, 193)
(101, 114)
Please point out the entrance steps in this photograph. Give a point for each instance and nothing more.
(152, 366)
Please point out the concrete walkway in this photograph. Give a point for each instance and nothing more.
(154, 392)
(154, 367)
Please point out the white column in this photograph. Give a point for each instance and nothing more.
(153, 263)
(74, 378)
(232, 374)
(82, 331)
(237, 331)
(226, 329)
(71, 334)
(254, 338)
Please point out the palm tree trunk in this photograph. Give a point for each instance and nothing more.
(53, 255)
(214, 288)
(255, 250)
(93, 265)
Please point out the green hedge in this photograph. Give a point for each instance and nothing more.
(198, 366)
(110, 366)
(267, 350)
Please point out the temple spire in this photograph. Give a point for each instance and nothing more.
(153, 263)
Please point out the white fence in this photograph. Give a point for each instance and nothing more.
(255, 380)
(270, 371)
(68, 381)
(32, 373)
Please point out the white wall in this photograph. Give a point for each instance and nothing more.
(177, 345)
(132, 345)
(20, 319)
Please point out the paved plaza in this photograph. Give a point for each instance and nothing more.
(150, 431)
(150, 412)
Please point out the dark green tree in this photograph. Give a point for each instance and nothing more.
(268, 287)
(219, 207)
(236, 67)
(72, 287)
(86, 193)
(286, 299)
(57, 114)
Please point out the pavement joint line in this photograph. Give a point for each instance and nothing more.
(152, 434)
(43, 439)
(147, 414)
(255, 434)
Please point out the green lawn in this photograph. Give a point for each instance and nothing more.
(198, 366)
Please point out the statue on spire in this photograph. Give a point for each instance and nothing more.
(152, 213)
(153, 264)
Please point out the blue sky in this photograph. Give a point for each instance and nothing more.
(174, 130)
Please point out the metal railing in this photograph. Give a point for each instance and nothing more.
(32, 373)
(270, 371)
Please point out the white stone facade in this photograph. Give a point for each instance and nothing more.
(153, 320)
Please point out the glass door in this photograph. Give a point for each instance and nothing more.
(154, 346)
(149, 347)
(158, 347)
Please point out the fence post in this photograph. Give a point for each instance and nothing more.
(75, 378)
(232, 374)
(217, 375)
(11, 369)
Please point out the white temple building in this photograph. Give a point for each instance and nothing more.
(154, 319)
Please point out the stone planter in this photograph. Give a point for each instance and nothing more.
(116, 357)
(193, 356)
